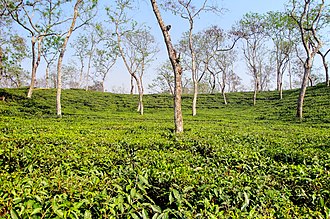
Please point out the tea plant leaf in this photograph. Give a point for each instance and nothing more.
(144, 180)
(135, 216)
(145, 214)
(156, 208)
(14, 214)
(87, 215)
(176, 194)
(246, 202)
(36, 211)
(171, 199)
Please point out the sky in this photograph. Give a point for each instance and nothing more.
(234, 10)
(119, 79)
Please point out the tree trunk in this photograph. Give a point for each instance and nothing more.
(255, 97)
(59, 84)
(194, 102)
(307, 72)
(279, 82)
(141, 107)
(60, 60)
(310, 80)
(132, 86)
(278, 75)
(224, 98)
(34, 69)
(256, 89)
(1, 63)
(89, 64)
(47, 76)
(81, 75)
(103, 82)
(213, 84)
(290, 76)
(138, 81)
(178, 120)
(326, 69)
(35, 64)
(224, 94)
(281, 91)
(193, 69)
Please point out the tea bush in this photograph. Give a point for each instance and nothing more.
(103, 160)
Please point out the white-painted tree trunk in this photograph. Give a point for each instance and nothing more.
(60, 60)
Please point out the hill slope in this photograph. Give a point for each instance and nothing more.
(80, 102)
(103, 160)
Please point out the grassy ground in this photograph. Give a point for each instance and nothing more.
(103, 160)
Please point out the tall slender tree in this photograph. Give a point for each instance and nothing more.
(164, 82)
(61, 55)
(252, 28)
(177, 69)
(105, 59)
(12, 52)
(279, 27)
(123, 24)
(190, 12)
(325, 65)
(140, 49)
(136, 46)
(80, 52)
(38, 18)
(50, 50)
(309, 16)
(82, 9)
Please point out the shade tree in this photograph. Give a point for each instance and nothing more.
(49, 52)
(310, 16)
(85, 11)
(325, 65)
(251, 26)
(70, 75)
(176, 66)
(117, 14)
(224, 62)
(106, 54)
(219, 57)
(135, 44)
(200, 58)
(80, 52)
(139, 50)
(280, 29)
(38, 19)
(104, 60)
(84, 47)
(190, 11)
(234, 82)
(12, 52)
(213, 38)
(164, 81)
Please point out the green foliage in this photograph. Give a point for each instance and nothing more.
(103, 160)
